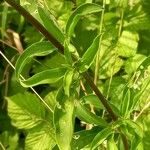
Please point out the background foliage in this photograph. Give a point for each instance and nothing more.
(109, 36)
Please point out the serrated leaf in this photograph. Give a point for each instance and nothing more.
(51, 25)
(100, 137)
(25, 110)
(41, 138)
(88, 57)
(37, 49)
(82, 10)
(67, 81)
(127, 44)
(44, 77)
(84, 114)
(64, 120)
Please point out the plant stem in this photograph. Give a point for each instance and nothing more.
(98, 53)
(60, 47)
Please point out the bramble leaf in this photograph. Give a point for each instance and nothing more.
(25, 110)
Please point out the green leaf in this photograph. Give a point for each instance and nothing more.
(133, 63)
(111, 145)
(100, 137)
(44, 77)
(37, 49)
(144, 64)
(83, 138)
(110, 65)
(125, 102)
(137, 133)
(29, 5)
(92, 100)
(9, 138)
(51, 25)
(137, 129)
(127, 44)
(64, 120)
(84, 114)
(50, 99)
(82, 10)
(67, 53)
(67, 81)
(142, 81)
(41, 138)
(25, 110)
(88, 57)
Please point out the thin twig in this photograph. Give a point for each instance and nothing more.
(2, 146)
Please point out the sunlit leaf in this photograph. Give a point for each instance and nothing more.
(64, 120)
(25, 110)
(125, 102)
(42, 138)
(85, 115)
(67, 81)
(50, 99)
(92, 100)
(44, 77)
(37, 49)
(127, 44)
